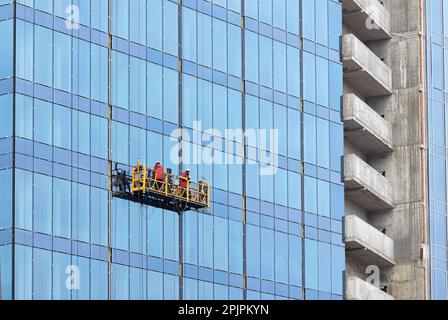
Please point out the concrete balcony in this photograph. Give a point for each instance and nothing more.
(366, 244)
(369, 18)
(363, 70)
(365, 128)
(366, 186)
(358, 289)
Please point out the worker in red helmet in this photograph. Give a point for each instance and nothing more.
(184, 179)
(159, 171)
(159, 176)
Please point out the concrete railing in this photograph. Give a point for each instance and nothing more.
(360, 115)
(361, 234)
(362, 58)
(378, 15)
(358, 289)
(359, 174)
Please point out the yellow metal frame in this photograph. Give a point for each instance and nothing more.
(139, 177)
(195, 193)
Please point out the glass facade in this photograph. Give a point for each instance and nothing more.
(99, 82)
(437, 131)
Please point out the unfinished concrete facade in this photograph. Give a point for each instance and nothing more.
(385, 225)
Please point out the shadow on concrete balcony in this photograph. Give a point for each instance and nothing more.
(358, 289)
(365, 128)
(363, 70)
(366, 186)
(367, 244)
(369, 18)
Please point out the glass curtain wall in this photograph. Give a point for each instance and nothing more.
(83, 102)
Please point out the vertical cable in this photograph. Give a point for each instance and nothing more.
(302, 153)
(109, 98)
(244, 169)
(128, 73)
(180, 95)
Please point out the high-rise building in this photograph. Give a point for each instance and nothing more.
(395, 152)
(86, 84)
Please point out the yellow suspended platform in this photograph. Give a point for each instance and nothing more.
(142, 187)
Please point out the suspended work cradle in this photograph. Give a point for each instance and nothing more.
(167, 191)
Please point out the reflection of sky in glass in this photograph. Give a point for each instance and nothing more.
(66, 136)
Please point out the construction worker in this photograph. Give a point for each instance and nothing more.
(201, 191)
(159, 175)
(184, 183)
(184, 179)
(121, 180)
(159, 172)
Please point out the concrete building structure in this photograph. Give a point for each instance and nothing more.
(385, 149)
